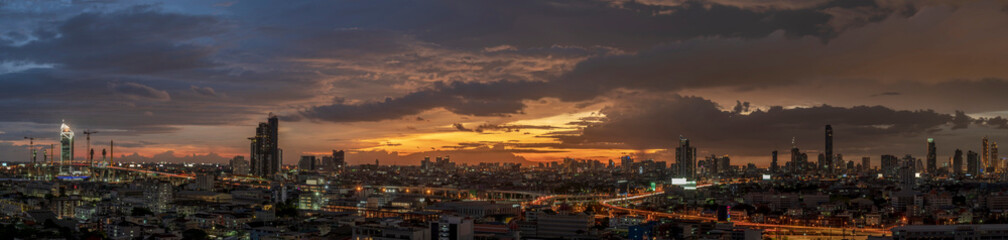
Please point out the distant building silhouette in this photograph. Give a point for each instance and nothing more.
(888, 165)
(957, 162)
(265, 151)
(773, 162)
(686, 159)
(239, 166)
(973, 164)
(827, 165)
(932, 157)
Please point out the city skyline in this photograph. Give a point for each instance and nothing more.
(197, 77)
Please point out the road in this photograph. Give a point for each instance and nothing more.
(765, 226)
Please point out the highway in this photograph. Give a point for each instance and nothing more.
(799, 229)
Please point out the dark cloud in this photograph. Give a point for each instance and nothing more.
(745, 65)
(487, 127)
(886, 94)
(460, 127)
(205, 91)
(657, 122)
(157, 69)
(137, 40)
(138, 91)
(997, 122)
(961, 120)
(537, 23)
(473, 98)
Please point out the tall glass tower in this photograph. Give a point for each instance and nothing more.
(66, 145)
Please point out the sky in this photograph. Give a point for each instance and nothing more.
(521, 81)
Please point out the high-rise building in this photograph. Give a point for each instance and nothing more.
(957, 162)
(66, 144)
(907, 171)
(799, 161)
(827, 165)
(686, 159)
(724, 164)
(865, 163)
(985, 156)
(932, 157)
(838, 161)
(973, 164)
(823, 166)
(307, 163)
(626, 162)
(773, 161)
(265, 151)
(206, 181)
(339, 160)
(66, 149)
(239, 166)
(888, 165)
(336, 161)
(159, 196)
(994, 157)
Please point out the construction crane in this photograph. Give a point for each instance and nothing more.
(31, 146)
(87, 133)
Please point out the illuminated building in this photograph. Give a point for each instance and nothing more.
(985, 157)
(159, 196)
(335, 162)
(994, 156)
(265, 152)
(452, 228)
(66, 145)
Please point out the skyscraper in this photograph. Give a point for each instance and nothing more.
(686, 159)
(773, 161)
(827, 166)
(265, 151)
(724, 164)
(994, 157)
(865, 163)
(823, 166)
(985, 156)
(307, 163)
(957, 162)
(888, 165)
(339, 159)
(932, 157)
(66, 145)
(973, 164)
